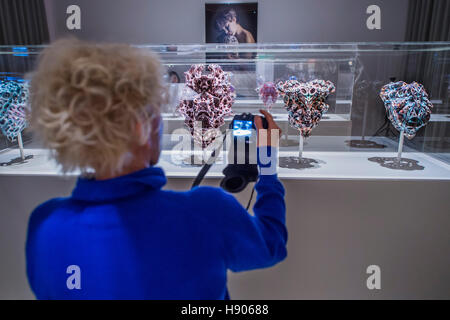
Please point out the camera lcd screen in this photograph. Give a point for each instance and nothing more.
(242, 127)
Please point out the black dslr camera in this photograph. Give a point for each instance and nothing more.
(242, 165)
(242, 158)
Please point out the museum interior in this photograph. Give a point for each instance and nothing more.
(359, 88)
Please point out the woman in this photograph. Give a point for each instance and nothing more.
(227, 23)
(173, 77)
(119, 235)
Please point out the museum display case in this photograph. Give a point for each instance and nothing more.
(345, 108)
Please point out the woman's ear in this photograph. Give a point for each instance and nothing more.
(147, 132)
(155, 139)
(141, 133)
(156, 124)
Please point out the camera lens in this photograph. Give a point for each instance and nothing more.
(233, 184)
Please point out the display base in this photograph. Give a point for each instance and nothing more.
(191, 161)
(337, 165)
(18, 160)
(296, 163)
(364, 144)
(397, 164)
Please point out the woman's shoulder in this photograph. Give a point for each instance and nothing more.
(201, 191)
(203, 197)
(45, 209)
(207, 192)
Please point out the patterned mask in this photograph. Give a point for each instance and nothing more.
(268, 94)
(13, 103)
(407, 106)
(205, 112)
(305, 102)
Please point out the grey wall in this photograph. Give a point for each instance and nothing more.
(336, 229)
(182, 21)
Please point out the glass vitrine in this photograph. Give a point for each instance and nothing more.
(354, 138)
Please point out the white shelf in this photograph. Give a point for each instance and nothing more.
(345, 165)
(277, 116)
(278, 102)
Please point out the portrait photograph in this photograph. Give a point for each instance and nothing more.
(232, 23)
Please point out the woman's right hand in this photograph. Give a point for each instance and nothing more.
(271, 136)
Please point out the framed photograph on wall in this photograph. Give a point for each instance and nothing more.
(231, 23)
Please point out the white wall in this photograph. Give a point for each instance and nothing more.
(183, 21)
(336, 229)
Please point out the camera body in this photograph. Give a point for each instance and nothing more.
(242, 165)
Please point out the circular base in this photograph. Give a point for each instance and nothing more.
(364, 144)
(295, 163)
(396, 164)
(194, 161)
(18, 160)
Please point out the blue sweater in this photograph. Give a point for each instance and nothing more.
(128, 239)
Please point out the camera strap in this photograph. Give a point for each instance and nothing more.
(208, 165)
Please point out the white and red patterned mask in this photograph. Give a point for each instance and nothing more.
(205, 111)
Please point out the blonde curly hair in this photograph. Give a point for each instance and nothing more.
(86, 100)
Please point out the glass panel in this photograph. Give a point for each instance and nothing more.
(354, 129)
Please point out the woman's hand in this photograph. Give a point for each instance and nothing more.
(271, 136)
